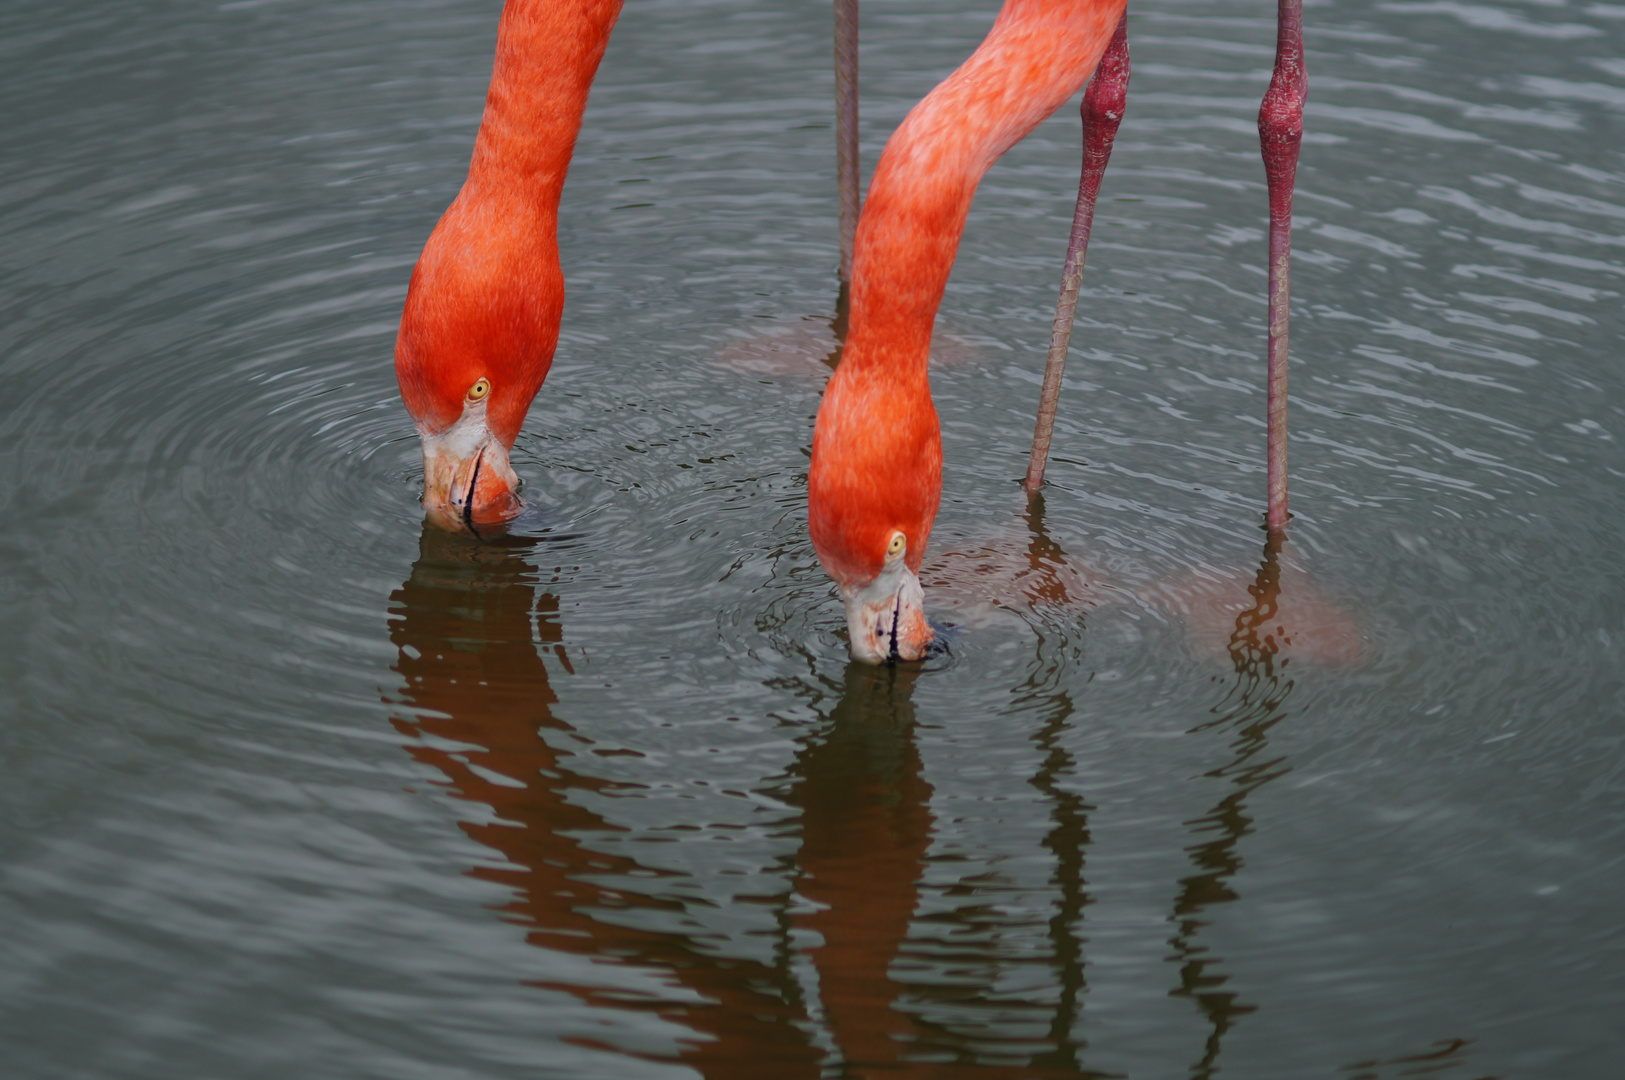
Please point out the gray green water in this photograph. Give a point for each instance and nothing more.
(291, 788)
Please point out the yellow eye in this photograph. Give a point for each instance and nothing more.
(898, 542)
(479, 389)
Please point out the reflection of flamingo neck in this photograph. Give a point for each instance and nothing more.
(466, 624)
(866, 824)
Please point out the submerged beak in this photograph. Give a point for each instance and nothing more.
(467, 482)
(885, 619)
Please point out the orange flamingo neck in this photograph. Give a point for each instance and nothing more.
(877, 458)
(483, 308)
(548, 52)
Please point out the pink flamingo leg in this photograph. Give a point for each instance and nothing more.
(1102, 111)
(1280, 130)
(846, 126)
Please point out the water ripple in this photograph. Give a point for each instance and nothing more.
(295, 785)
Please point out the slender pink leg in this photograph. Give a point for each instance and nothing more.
(1280, 130)
(1103, 105)
(846, 126)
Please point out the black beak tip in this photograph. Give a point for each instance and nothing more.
(468, 503)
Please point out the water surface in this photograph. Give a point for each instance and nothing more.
(290, 786)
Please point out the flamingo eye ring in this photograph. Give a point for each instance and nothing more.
(898, 543)
(479, 389)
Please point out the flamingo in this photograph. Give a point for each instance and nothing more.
(876, 475)
(483, 307)
(480, 649)
(482, 312)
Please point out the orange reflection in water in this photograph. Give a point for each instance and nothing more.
(477, 634)
(467, 624)
(866, 825)
(472, 626)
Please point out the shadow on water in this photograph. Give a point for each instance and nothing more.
(839, 323)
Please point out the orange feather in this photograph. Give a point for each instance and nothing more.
(487, 293)
(877, 450)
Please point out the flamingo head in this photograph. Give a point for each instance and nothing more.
(875, 561)
(467, 481)
(476, 341)
(872, 495)
(466, 438)
(885, 614)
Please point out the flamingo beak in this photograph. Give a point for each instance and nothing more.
(467, 481)
(885, 619)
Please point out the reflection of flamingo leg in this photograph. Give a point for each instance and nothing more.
(473, 678)
(1102, 110)
(1067, 842)
(1254, 707)
(1069, 838)
(1280, 131)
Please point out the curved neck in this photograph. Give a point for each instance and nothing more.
(877, 448)
(1037, 55)
(547, 54)
(487, 293)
